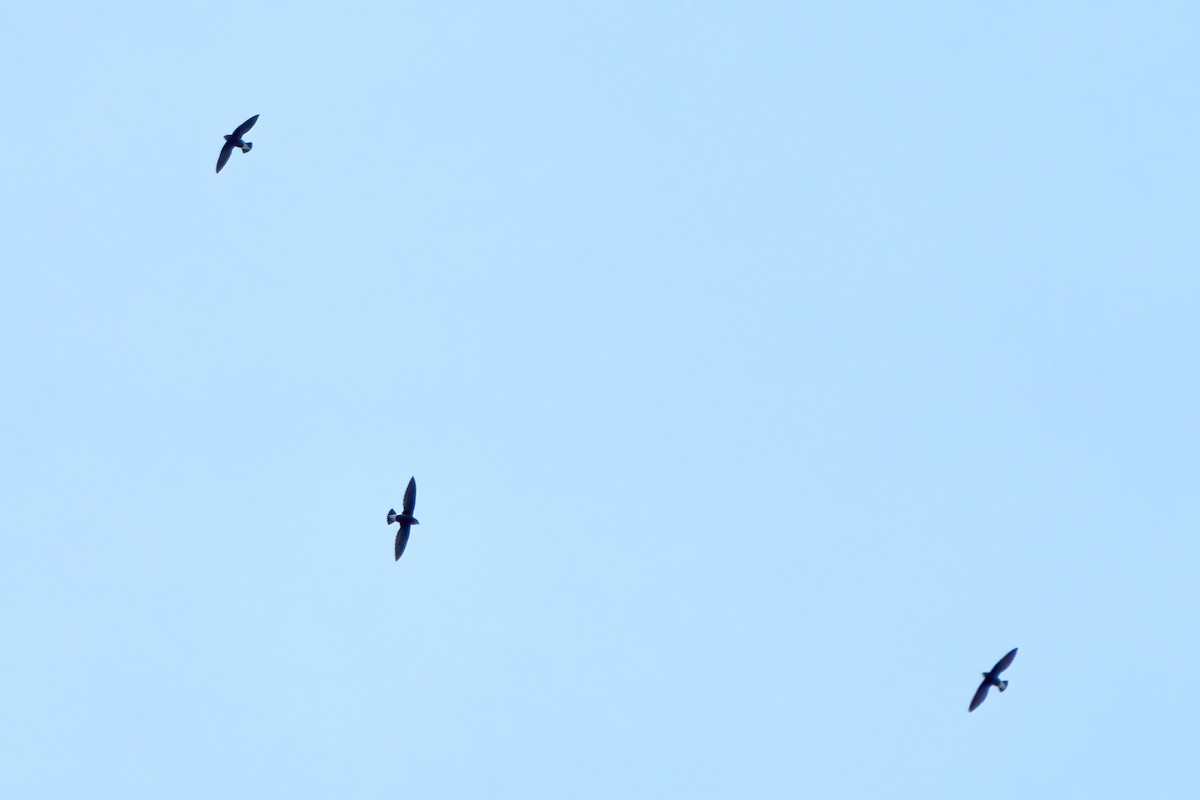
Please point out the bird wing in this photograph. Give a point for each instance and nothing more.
(1003, 663)
(402, 540)
(980, 694)
(410, 496)
(226, 149)
(244, 128)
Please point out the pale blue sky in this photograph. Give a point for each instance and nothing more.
(768, 370)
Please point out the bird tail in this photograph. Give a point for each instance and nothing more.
(246, 147)
(391, 516)
(1003, 685)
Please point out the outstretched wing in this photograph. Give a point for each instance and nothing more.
(410, 496)
(980, 693)
(242, 129)
(226, 149)
(1003, 663)
(402, 540)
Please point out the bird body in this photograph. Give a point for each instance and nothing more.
(235, 140)
(405, 518)
(992, 678)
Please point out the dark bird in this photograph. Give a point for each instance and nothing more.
(405, 518)
(235, 140)
(991, 679)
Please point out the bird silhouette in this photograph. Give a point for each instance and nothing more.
(991, 679)
(235, 140)
(405, 518)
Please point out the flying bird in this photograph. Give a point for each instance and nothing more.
(235, 140)
(405, 518)
(991, 679)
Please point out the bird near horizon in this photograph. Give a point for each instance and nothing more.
(404, 519)
(991, 679)
(235, 140)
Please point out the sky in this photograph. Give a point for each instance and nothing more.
(767, 370)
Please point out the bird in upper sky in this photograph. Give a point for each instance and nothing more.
(991, 679)
(235, 140)
(405, 518)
